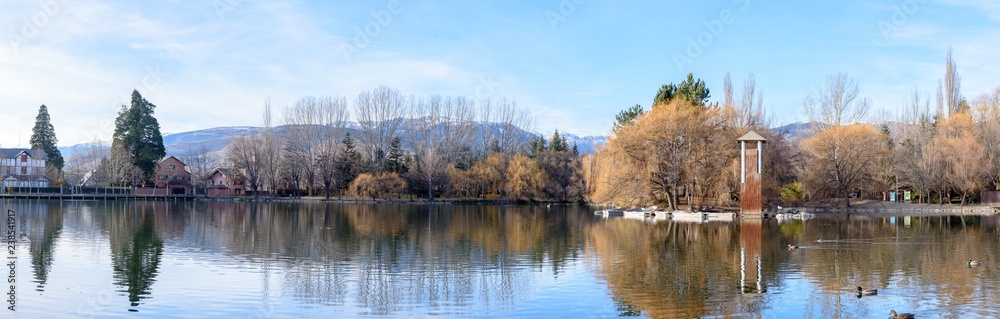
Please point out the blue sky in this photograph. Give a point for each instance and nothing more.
(573, 63)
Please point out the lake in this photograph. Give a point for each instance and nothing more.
(92, 259)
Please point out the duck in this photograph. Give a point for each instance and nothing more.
(790, 246)
(975, 263)
(894, 315)
(867, 292)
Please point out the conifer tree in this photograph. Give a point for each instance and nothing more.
(347, 163)
(394, 160)
(43, 137)
(137, 133)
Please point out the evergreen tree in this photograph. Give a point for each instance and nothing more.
(691, 90)
(627, 117)
(43, 137)
(558, 143)
(394, 160)
(576, 151)
(347, 163)
(138, 133)
(495, 147)
(537, 146)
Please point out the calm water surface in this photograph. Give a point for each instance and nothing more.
(244, 260)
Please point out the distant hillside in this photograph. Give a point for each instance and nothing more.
(796, 131)
(216, 139)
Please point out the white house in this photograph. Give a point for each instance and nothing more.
(20, 167)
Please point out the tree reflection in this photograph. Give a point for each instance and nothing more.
(42, 242)
(135, 250)
(388, 259)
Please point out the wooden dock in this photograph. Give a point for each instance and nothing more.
(104, 197)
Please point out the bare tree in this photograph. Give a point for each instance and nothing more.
(333, 116)
(914, 163)
(380, 113)
(441, 127)
(120, 168)
(270, 151)
(245, 156)
(952, 85)
(83, 164)
(313, 124)
(200, 161)
(748, 113)
(986, 112)
(837, 103)
(503, 126)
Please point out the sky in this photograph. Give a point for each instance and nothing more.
(573, 63)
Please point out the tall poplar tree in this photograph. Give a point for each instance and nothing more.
(43, 137)
(137, 133)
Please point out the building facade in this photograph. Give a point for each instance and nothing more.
(222, 182)
(172, 174)
(20, 167)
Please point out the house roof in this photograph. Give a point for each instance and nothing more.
(751, 136)
(169, 157)
(224, 171)
(14, 152)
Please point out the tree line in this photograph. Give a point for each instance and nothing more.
(429, 147)
(683, 149)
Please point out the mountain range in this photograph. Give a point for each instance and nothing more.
(216, 139)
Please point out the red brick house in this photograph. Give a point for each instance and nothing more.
(172, 174)
(224, 182)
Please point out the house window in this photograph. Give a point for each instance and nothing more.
(170, 167)
(24, 158)
(24, 170)
(163, 177)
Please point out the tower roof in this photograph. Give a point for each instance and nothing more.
(752, 136)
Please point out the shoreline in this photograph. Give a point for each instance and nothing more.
(264, 199)
(873, 207)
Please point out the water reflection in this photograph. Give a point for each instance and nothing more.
(41, 242)
(678, 270)
(311, 260)
(135, 249)
(386, 260)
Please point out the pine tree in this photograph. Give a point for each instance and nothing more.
(537, 147)
(627, 117)
(138, 133)
(43, 137)
(558, 143)
(347, 163)
(394, 160)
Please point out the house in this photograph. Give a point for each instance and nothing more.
(172, 174)
(21, 167)
(224, 182)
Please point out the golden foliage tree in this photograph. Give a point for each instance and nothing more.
(490, 175)
(377, 185)
(525, 179)
(840, 159)
(675, 148)
(963, 157)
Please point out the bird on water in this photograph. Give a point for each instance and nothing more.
(867, 292)
(894, 315)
